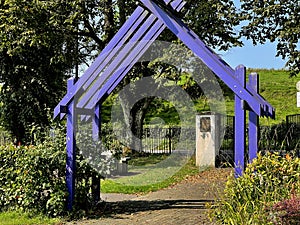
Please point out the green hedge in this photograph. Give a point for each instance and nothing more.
(33, 178)
(251, 198)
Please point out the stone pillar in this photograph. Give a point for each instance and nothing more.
(207, 139)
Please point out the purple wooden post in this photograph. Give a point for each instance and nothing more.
(71, 148)
(253, 86)
(240, 125)
(96, 123)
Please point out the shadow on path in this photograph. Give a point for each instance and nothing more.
(114, 209)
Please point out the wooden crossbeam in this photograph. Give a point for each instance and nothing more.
(98, 61)
(125, 32)
(124, 61)
(214, 62)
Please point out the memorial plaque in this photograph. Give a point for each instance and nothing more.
(205, 125)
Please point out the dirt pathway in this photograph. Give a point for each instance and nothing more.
(182, 203)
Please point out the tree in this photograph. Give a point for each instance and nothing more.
(35, 61)
(274, 21)
(42, 42)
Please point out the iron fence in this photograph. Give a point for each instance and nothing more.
(165, 140)
(281, 137)
(293, 131)
(226, 154)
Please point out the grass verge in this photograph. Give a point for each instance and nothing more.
(22, 218)
(111, 186)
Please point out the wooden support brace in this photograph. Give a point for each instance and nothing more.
(253, 87)
(71, 148)
(240, 126)
(96, 123)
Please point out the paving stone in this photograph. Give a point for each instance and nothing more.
(182, 203)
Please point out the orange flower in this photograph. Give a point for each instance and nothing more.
(288, 157)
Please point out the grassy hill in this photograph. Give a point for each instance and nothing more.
(277, 88)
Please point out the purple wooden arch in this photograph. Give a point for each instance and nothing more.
(125, 49)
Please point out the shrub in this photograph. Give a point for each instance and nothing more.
(287, 211)
(249, 199)
(32, 178)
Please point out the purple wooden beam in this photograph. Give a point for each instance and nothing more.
(240, 126)
(177, 5)
(125, 31)
(117, 77)
(215, 63)
(150, 36)
(107, 59)
(125, 60)
(121, 34)
(118, 62)
(96, 124)
(253, 86)
(71, 148)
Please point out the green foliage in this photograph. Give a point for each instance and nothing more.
(249, 199)
(32, 178)
(274, 21)
(213, 21)
(35, 60)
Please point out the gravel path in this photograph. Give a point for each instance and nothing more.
(182, 203)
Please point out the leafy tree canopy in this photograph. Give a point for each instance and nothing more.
(42, 42)
(35, 60)
(275, 20)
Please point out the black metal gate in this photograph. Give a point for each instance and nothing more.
(226, 154)
(164, 140)
(293, 132)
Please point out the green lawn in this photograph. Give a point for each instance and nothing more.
(20, 218)
(150, 177)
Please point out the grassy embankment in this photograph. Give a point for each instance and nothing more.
(277, 88)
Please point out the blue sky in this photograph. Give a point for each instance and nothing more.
(259, 56)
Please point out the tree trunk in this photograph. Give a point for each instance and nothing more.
(138, 113)
(109, 23)
(122, 12)
(134, 119)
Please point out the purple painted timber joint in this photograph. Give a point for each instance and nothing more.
(214, 62)
(123, 51)
(253, 86)
(240, 125)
